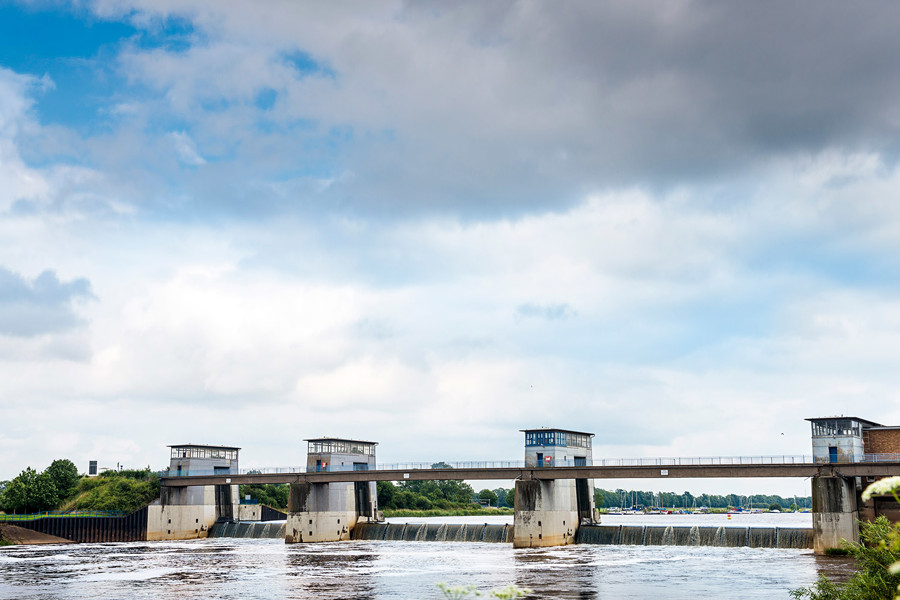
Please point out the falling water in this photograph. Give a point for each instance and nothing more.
(730, 537)
(246, 529)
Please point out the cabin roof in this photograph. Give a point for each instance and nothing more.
(543, 429)
(203, 446)
(863, 421)
(337, 439)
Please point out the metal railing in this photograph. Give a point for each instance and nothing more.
(783, 459)
(63, 515)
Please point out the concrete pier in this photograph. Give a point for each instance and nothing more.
(328, 512)
(320, 512)
(835, 512)
(546, 513)
(184, 513)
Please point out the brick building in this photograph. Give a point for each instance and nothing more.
(882, 439)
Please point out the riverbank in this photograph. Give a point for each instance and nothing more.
(11, 534)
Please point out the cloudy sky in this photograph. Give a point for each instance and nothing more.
(432, 224)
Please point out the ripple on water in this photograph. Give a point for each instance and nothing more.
(269, 569)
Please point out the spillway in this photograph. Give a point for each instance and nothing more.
(725, 537)
(248, 529)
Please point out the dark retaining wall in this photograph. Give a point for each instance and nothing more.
(130, 528)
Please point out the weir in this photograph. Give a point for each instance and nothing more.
(336, 491)
(725, 537)
(251, 530)
(549, 512)
(433, 532)
(328, 512)
(614, 535)
(183, 513)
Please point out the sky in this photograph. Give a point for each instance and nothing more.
(432, 224)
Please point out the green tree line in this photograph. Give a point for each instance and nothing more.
(270, 494)
(61, 487)
(627, 498)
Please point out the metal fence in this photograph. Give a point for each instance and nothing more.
(64, 515)
(782, 459)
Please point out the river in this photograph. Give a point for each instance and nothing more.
(270, 569)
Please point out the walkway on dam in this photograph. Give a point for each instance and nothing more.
(874, 465)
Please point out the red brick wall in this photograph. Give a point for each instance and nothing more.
(883, 441)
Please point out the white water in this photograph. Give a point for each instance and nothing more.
(802, 520)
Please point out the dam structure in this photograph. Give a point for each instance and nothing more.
(549, 512)
(189, 511)
(334, 493)
(328, 511)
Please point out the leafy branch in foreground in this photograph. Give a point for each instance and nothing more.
(877, 558)
(459, 592)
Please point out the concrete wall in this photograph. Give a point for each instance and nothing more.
(184, 513)
(249, 512)
(339, 461)
(320, 512)
(835, 512)
(546, 513)
(849, 448)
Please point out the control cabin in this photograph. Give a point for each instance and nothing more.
(335, 454)
(839, 439)
(202, 459)
(547, 447)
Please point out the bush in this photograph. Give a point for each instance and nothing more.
(117, 492)
(878, 550)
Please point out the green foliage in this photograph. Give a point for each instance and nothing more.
(488, 496)
(425, 495)
(775, 506)
(30, 492)
(875, 555)
(65, 477)
(459, 592)
(511, 497)
(117, 490)
(626, 498)
(502, 496)
(387, 492)
(139, 474)
(270, 494)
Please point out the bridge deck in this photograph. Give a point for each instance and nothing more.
(880, 469)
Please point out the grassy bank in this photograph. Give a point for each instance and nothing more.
(127, 491)
(452, 512)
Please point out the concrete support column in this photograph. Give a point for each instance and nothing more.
(184, 513)
(546, 513)
(835, 512)
(320, 512)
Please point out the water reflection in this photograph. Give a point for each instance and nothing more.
(269, 569)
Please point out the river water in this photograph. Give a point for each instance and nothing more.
(263, 568)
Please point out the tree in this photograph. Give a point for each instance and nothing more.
(501, 497)
(511, 497)
(489, 496)
(30, 492)
(270, 494)
(387, 494)
(64, 475)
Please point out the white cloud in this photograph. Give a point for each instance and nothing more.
(440, 230)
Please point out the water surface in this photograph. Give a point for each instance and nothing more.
(236, 569)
